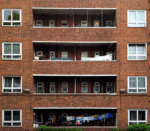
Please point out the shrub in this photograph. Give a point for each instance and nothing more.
(115, 129)
(139, 127)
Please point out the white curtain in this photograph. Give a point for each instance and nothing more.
(140, 49)
(132, 49)
(140, 16)
(132, 82)
(132, 16)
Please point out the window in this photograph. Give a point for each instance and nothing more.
(136, 18)
(108, 23)
(51, 23)
(52, 55)
(11, 17)
(84, 54)
(96, 54)
(137, 116)
(84, 87)
(12, 84)
(64, 87)
(137, 52)
(12, 118)
(64, 24)
(40, 87)
(64, 54)
(39, 23)
(83, 23)
(11, 51)
(110, 54)
(96, 23)
(109, 87)
(39, 117)
(137, 84)
(65, 117)
(52, 87)
(97, 87)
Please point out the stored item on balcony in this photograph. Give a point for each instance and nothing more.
(83, 23)
(64, 24)
(109, 87)
(108, 23)
(36, 58)
(96, 23)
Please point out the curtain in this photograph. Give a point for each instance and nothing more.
(132, 82)
(133, 115)
(141, 115)
(132, 49)
(140, 50)
(132, 16)
(141, 82)
(140, 16)
(17, 81)
(8, 82)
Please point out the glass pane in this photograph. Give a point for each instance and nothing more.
(132, 82)
(84, 54)
(7, 15)
(17, 57)
(8, 82)
(141, 90)
(16, 23)
(132, 123)
(97, 89)
(132, 57)
(132, 24)
(16, 90)
(7, 48)
(16, 115)
(141, 82)
(7, 115)
(7, 90)
(7, 57)
(17, 82)
(7, 124)
(16, 124)
(16, 15)
(141, 25)
(141, 115)
(132, 90)
(39, 118)
(64, 89)
(133, 115)
(84, 89)
(6, 23)
(140, 16)
(132, 16)
(16, 48)
(140, 49)
(132, 49)
(52, 89)
(141, 57)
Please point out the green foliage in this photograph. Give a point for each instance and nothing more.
(46, 128)
(139, 127)
(115, 129)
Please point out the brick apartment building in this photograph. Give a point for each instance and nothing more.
(74, 64)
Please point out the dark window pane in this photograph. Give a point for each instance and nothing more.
(132, 90)
(17, 57)
(16, 124)
(16, 48)
(16, 23)
(133, 115)
(7, 48)
(141, 82)
(7, 15)
(17, 82)
(7, 124)
(16, 15)
(7, 57)
(8, 82)
(7, 90)
(6, 23)
(7, 115)
(39, 117)
(141, 115)
(132, 123)
(16, 90)
(16, 115)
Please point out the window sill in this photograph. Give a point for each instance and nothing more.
(11, 59)
(11, 26)
(11, 126)
(83, 127)
(74, 93)
(73, 61)
(137, 60)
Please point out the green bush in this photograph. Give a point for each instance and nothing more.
(139, 127)
(115, 129)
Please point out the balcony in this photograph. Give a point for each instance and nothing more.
(71, 84)
(74, 51)
(74, 17)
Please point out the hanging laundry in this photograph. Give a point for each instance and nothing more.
(103, 116)
(106, 115)
(99, 117)
(110, 115)
(60, 119)
(90, 118)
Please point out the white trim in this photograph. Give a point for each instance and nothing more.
(91, 42)
(12, 21)
(75, 94)
(75, 108)
(11, 88)
(79, 75)
(11, 117)
(136, 88)
(74, 8)
(11, 43)
(71, 27)
(136, 50)
(145, 22)
(137, 121)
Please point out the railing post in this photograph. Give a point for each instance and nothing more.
(102, 17)
(87, 18)
(75, 85)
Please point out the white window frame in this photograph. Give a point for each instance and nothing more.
(84, 25)
(63, 86)
(50, 54)
(40, 86)
(84, 56)
(95, 54)
(50, 87)
(136, 51)
(62, 54)
(41, 117)
(53, 23)
(3, 120)
(3, 43)
(12, 21)
(136, 88)
(11, 88)
(137, 121)
(145, 22)
(95, 22)
(95, 86)
(84, 86)
(64, 21)
(38, 24)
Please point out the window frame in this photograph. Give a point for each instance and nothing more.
(50, 54)
(3, 43)
(136, 88)
(95, 86)
(39, 21)
(64, 52)
(64, 21)
(63, 86)
(12, 21)
(137, 121)
(145, 14)
(83, 56)
(53, 23)
(50, 87)
(83, 86)
(136, 51)
(37, 118)
(65, 116)
(83, 24)
(11, 88)
(3, 121)
(40, 86)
